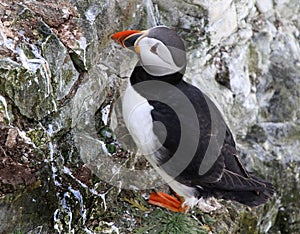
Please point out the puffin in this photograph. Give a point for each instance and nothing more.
(179, 129)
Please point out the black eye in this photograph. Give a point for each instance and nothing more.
(129, 42)
(154, 48)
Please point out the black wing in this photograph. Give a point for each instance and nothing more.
(225, 176)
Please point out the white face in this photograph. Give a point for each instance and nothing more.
(156, 57)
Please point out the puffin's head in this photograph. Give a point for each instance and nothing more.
(160, 49)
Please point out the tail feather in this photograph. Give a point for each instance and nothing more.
(251, 198)
(254, 192)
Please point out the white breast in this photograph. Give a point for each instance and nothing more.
(137, 117)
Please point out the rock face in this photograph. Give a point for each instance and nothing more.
(60, 81)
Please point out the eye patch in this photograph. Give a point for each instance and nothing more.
(154, 48)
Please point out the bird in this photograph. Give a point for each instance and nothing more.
(179, 129)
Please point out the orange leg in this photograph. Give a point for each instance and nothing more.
(167, 201)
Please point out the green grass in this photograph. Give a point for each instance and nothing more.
(18, 231)
(166, 222)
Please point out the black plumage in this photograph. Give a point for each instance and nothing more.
(227, 178)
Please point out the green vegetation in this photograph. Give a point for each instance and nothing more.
(153, 219)
(164, 221)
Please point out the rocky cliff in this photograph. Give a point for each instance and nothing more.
(62, 166)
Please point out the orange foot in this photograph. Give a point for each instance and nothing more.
(167, 201)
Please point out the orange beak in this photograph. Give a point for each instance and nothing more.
(120, 37)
